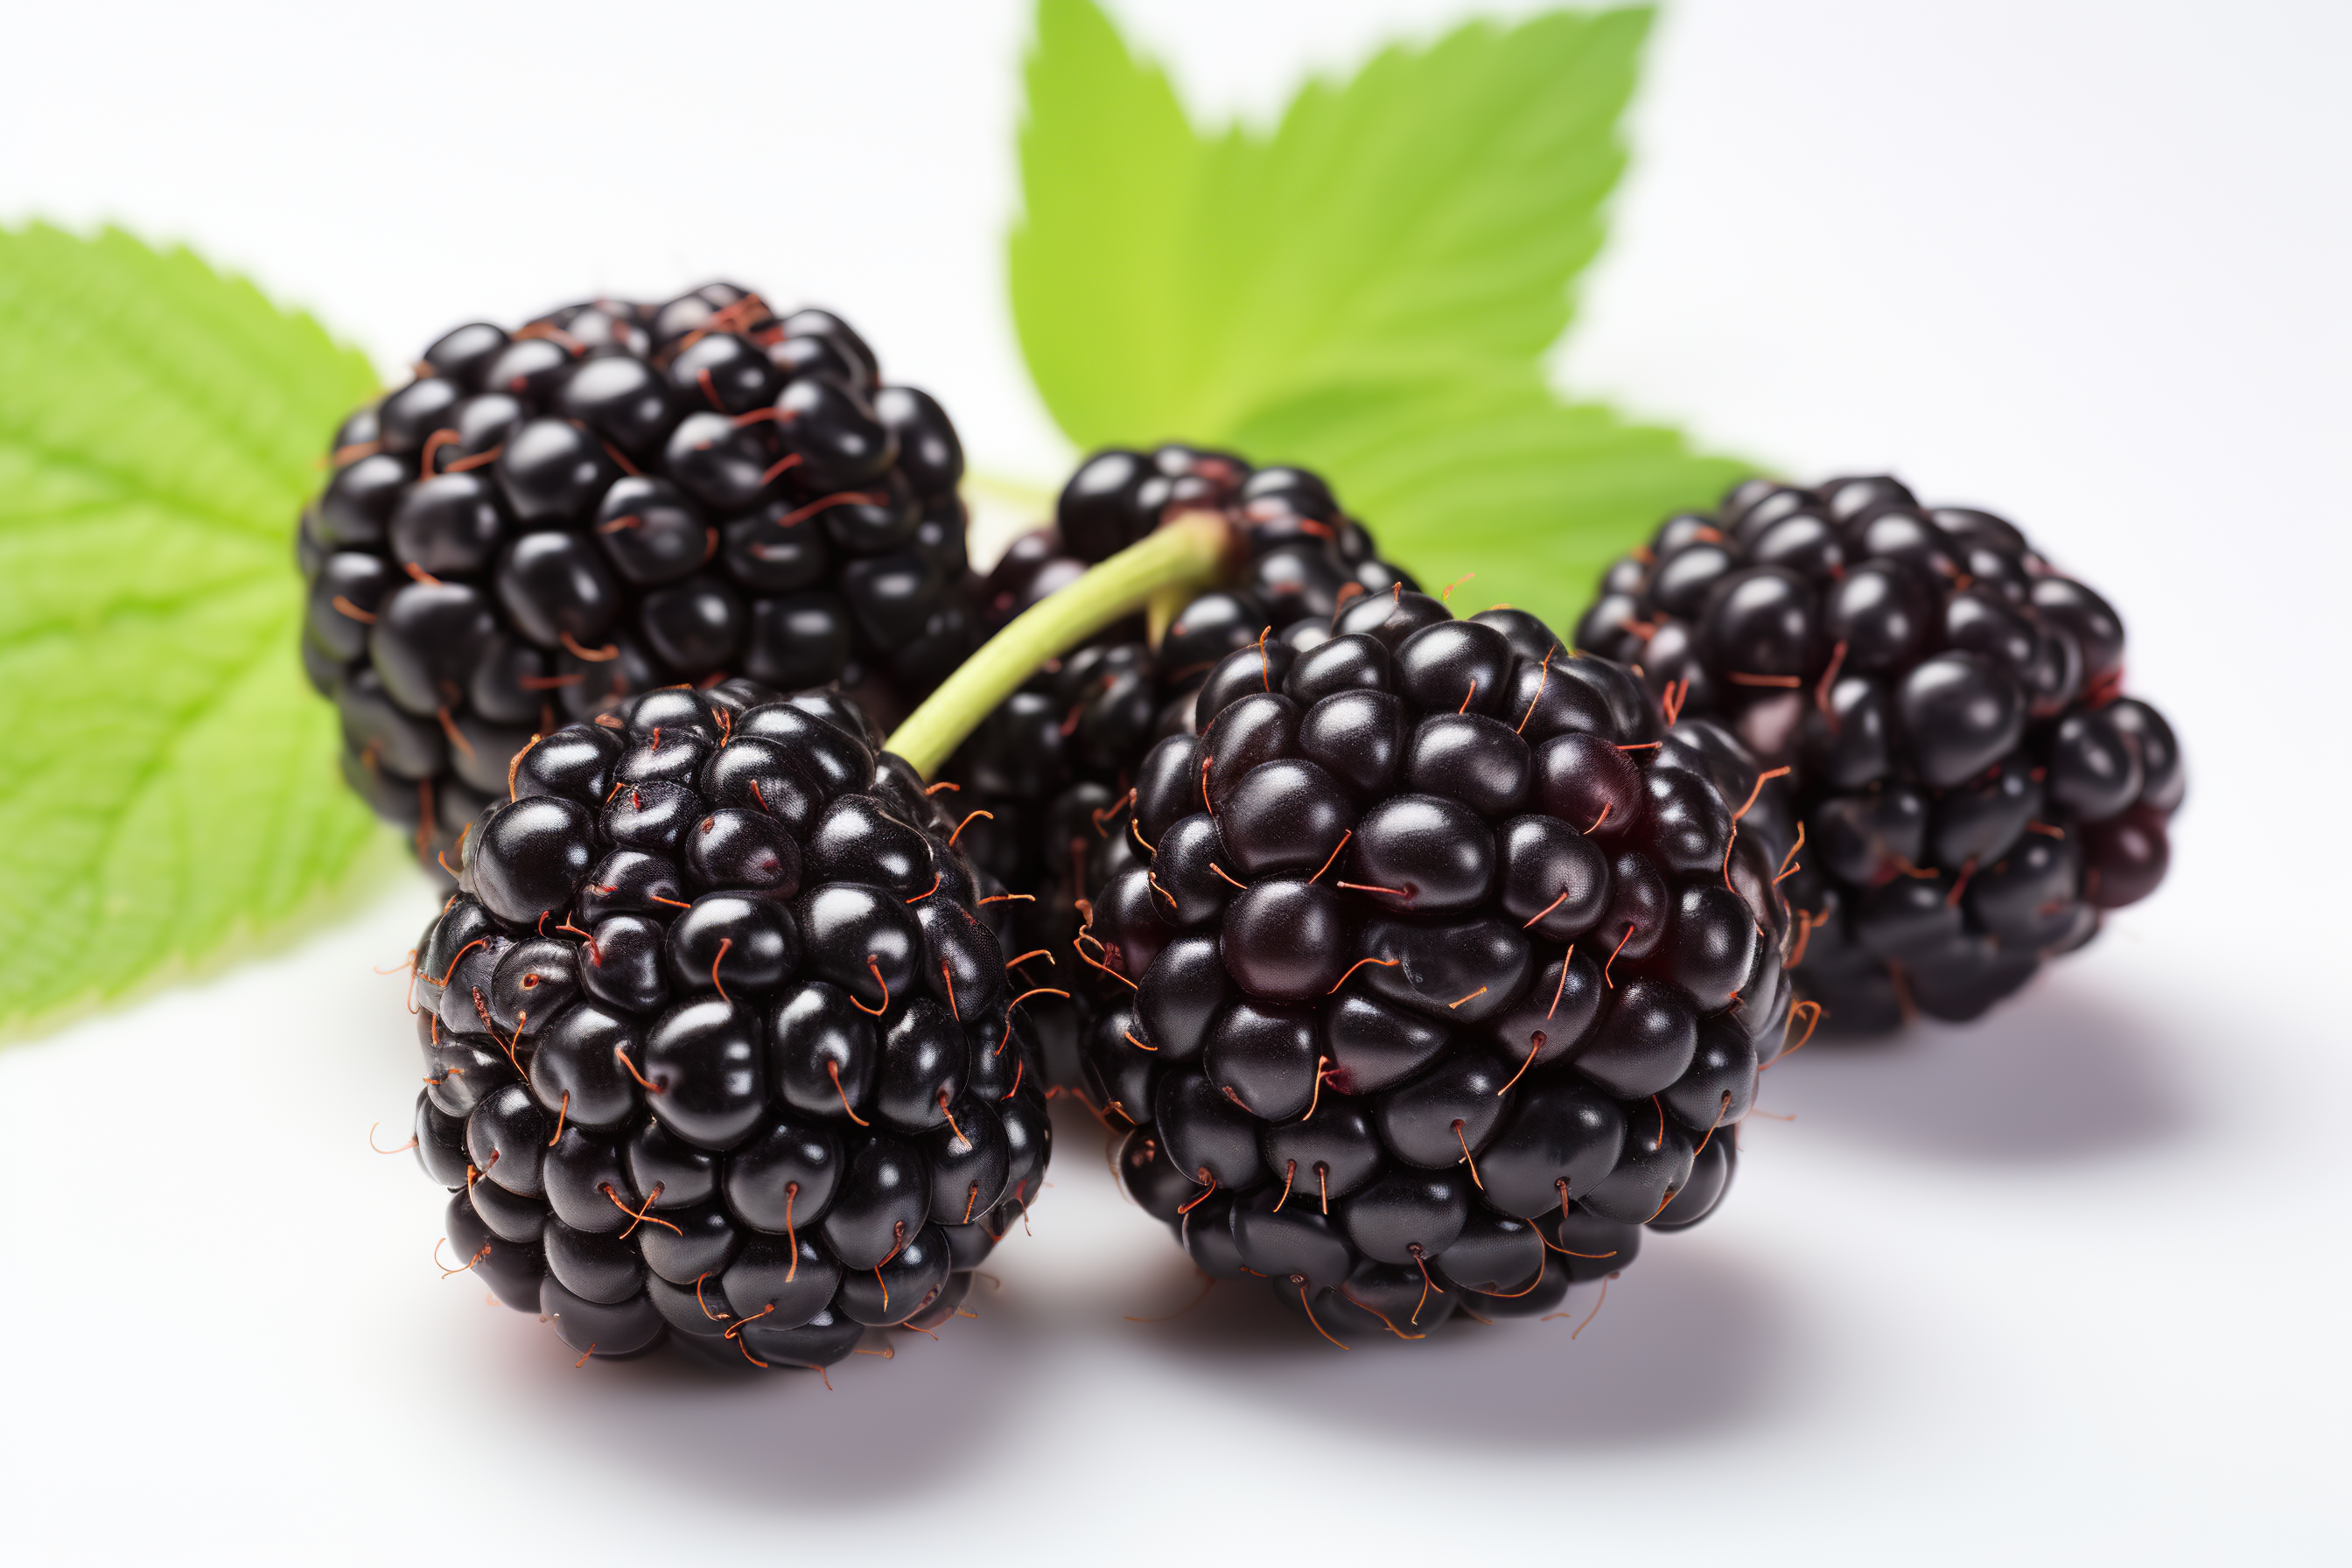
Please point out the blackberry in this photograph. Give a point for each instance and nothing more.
(1435, 969)
(612, 498)
(1976, 790)
(720, 1046)
(1052, 764)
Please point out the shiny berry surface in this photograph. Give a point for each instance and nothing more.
(613, 497)
(1377, 988)
(1056, 763)
(743, 1076)
(1974, 789)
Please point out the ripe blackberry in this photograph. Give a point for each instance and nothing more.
(1975, 788)
(720, 1049)
(1434, 968)
(614, 498)
(1051, 764)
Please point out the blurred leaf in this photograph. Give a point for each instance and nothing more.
(172, 782)
(1369, 290)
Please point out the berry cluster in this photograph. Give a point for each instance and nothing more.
(1053, 762)
(613, 499)
(1434, 968)
(1976, 789)
(719, 1042)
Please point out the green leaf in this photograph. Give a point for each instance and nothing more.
(1098, 268)
(1369, 289)
(1493, 475)
(1427, 214)
(172, 785)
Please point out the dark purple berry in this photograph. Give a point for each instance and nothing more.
(1328, 1154)
(883, 1199)
(930, 454)
(1423, 853)
(1962, 715)
(528, 857)
(550, 471)
(1374, 1045)
(1477, 760)
(1406, 977)
(905, 1282)
(1655, 1166)
(1206, 1134)
(1460, 971)
(1282, 939)
(1286, 815)
(1447, 1114)
(1645, 1040)
(1459, 665)
(551, 524)
(1554, 879)
(2125, 857)
(578, 1064)
(760, 1092)
(1359, 738)
(1408, 1216)
(1264, 1059)
(463, 353)
(835, 433)
(621, 399)
(1299, 1244)
(424, 641)
(1182, 991)
(447, 526)
(1950, 709)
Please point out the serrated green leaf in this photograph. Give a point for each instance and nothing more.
(172, 785)
(1369, 290)
(1425, 215)
(1098, 267)
(1493, 475)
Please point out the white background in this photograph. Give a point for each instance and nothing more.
(2063, 1285)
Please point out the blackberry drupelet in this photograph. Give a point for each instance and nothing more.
(612, 498)
(1976, 789)
(1434, 968)
(1051, 764)
(719, 1046)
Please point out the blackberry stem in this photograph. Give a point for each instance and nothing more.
(1186, 554)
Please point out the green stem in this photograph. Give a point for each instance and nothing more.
(1188, 554)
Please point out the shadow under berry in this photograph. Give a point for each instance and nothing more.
(885, 1429)
(2063, 1074)
(1690, 1340)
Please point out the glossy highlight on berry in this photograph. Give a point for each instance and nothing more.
(1426, 933)
(616, 497)
(1061, 765)
(713, 1076)
(1974, 789)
